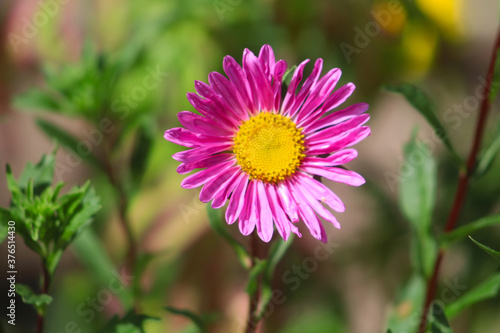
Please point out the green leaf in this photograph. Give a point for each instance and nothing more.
(276, 253)
(4, 220)
(469, 228)
(487, 289)
(142, 149)
(253, 279)
(494, 254)
(130, 323)
(39, 302)
(196, 319)
(36, 99)
(419, 100)
(287, 78)
(495, 83)
(41, 174)
(438, 321)
(417, 193)
(410, 300)
(217, 223)
(90, 252)
(68, 141)
(489, 155)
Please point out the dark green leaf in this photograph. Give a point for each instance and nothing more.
(196, 319)
(489, 154)
(487, 289)
(130, 323)
(495, 83)
(253, 279)
(409, 301)
(424, 106)
(438, 321)
(417, 193)
(469, 228)
(68, 141)
(494, 254)
(4, 220)
(40, 301)
(217, 223)
(287, 78)
(41, 174)
(142, 149)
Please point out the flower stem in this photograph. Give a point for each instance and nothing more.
(46, 279)
(253, 322)
(463, 182)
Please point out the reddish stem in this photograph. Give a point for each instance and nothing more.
(45, 290)
(252, 321)
(464, 177)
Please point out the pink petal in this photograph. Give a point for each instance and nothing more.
(238, 78)
(230, 95)
(186, 138)
(210, 110)
(203, 125)
(267, 60)
(248, 217)
(280, 218)
(237, 200)
(346, 139)
(322, 193)
(195, 154)
(265, 225)
(336, 174)
(212, 187)
(289, 205)
(336, 117)
(329, 132)
(292, 88)
(305, 90)
(221, 197)
(204, 176)
(337, 158)
(279, 71)
(259, 83)
(204, 163)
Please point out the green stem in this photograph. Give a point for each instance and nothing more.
(46, 280)
(253, 318)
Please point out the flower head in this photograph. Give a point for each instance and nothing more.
(259, 150)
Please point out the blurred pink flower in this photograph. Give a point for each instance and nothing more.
(260, 151)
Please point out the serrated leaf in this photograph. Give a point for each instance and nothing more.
(253, 278)
(419, 100)
(487, 289)
(39, 301)
(219, 226)
(494, 254)
(409, 301)
(417, 193)
(488, 156)
(130, 323)
(438, 321)
(469, 228)
(68, 141)
(196, 319)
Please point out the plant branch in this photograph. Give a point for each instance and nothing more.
(253, 321)
(463, 182)
(46, 280)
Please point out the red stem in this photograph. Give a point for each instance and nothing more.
(464, 177)
(252, 322)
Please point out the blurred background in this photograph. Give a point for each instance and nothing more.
(348, 286)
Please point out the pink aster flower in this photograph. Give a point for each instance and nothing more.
(259, 150)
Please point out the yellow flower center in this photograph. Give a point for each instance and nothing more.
(269, 147)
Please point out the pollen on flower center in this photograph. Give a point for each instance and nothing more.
(269, 147)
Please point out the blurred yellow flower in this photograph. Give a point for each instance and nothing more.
(447, 14)
(419, 47)
(390, 15)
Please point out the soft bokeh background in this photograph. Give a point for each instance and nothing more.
(442, 46)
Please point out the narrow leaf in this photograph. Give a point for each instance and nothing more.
(439, 322)
(4, 220)
(217, 223)
(419, 100)
(196, 319)
(494, 254)
(69, 142)
(487, 289)
(253, 279)
(489, 155)
(140, 154)
(469, 228)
